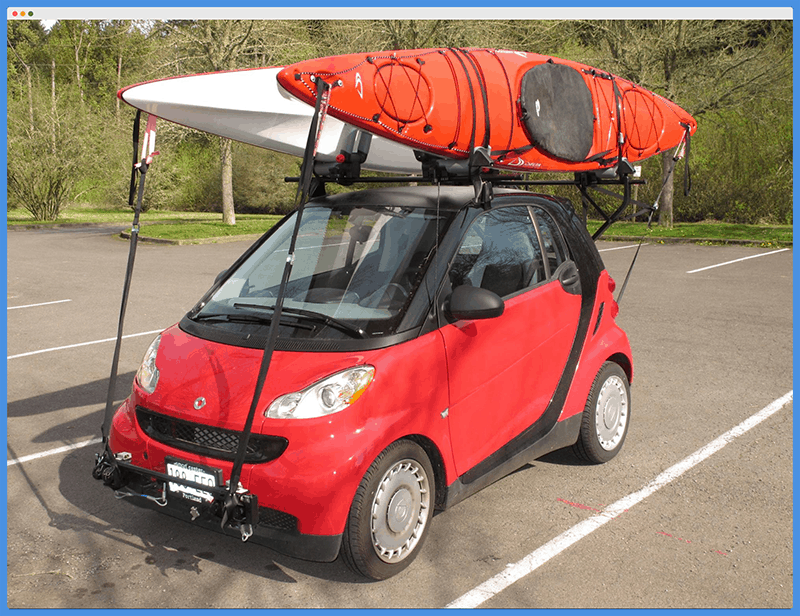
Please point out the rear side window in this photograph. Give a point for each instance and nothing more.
(500, 252)
(555, 250)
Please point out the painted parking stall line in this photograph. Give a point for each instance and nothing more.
(620, 247)
(81, 344)
(763, 254)
(542, 555)
(52, 452)
(60, 301)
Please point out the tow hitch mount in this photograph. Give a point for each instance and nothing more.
(238, 511)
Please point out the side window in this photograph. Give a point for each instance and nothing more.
(500, 252)
(555, 250)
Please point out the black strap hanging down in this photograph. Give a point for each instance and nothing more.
(472, 99)
(484, 96)
(232, 499)
(633, 261)
(314, 132)
(687, 177)
(135, 154)
(112, 381)
(653, 210)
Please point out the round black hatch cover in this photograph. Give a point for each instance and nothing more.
(557, 111)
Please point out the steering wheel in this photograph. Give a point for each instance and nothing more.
(386, 295)
(251, 292)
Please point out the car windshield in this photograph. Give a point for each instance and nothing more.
(356, 271)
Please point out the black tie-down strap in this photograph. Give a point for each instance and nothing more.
(679, 152)
(105, 468)
(305, 187)
(136, 122)
(148, 151)
(234, 498)
(112, 381)
(687, 176)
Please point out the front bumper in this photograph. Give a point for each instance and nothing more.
(268, 527)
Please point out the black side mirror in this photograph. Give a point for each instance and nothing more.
(220, 276)
(467, 302)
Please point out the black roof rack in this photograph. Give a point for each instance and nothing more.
(479, 172)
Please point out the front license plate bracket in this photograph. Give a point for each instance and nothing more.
(196, 473)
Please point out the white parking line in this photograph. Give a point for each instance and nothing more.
(80, 344)
(620, 248)
(537, 558)
(763, 254)
(60, 301)
(52, 452)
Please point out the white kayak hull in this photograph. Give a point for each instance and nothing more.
(250, 106)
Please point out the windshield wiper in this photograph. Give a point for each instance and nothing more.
(319, 317)
(246, 318)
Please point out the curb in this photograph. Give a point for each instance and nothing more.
(252, 237)
(224, 239)
(688, 240)
(76, 225)
(66, 225)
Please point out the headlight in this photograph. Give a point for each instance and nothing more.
(329, 395)
(147, 375)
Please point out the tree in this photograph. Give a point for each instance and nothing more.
(218, 45)
(705, 66)
(24, 40)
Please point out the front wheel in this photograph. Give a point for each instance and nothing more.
(606, 416)
(391, 511)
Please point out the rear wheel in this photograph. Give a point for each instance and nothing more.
(606, 416)
(391, 511)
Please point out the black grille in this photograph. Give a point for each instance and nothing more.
(272, 518)
(207, 440)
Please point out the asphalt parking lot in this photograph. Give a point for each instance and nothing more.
(711, 348)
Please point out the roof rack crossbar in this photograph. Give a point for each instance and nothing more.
(479, 172)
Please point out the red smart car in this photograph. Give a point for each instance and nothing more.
(427, 346)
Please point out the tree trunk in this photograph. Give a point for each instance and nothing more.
(53, 105)
(30, 87)
(226, 157)
(30, 97)
(78, 73)
(665, 208)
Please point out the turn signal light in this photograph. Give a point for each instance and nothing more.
(612, 285)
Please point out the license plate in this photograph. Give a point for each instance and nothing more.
(196, 473)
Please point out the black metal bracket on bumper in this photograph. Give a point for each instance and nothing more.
(149, 489)
(238, 512)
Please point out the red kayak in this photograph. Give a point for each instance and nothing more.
(535, 112)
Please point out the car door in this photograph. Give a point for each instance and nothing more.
(503, 371)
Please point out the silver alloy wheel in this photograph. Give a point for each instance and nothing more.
(611, 412)
(400, 510)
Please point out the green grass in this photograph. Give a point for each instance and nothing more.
(194, 230)
(160, 224)
(710, 230)
(91, 215)
(203, 225)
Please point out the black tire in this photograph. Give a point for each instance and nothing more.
(606, 417)
(391, 512)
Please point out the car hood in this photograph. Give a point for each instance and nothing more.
(220, 379)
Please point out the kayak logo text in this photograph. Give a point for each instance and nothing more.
(359, 86)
